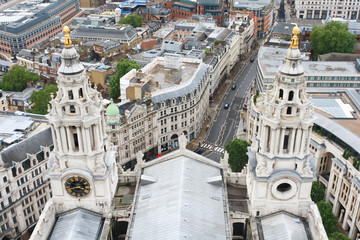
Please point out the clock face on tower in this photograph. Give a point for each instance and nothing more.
(77, 186)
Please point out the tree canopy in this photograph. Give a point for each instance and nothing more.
(338, 236)
(317, 192)
(123, 67)
(41, 99)
(333, 37)
(133, 20)
(237, 150)
(328, 218)
(16, 78)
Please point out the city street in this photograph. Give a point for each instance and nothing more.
(226, 122)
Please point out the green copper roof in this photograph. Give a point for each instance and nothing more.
(112, 109)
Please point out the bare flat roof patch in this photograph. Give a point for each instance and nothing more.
(161, 77)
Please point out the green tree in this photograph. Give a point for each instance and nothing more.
(333, 37)
(40, 99)
(338, 236)
(133, 20)
(123, 67)
(356, 163)
(237, 150)
(328, 218)
(16, 78)
(317, 192)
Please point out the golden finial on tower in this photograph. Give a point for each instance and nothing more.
(67, 37)
(295, 40)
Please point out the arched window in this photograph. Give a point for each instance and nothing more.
(288, 111)
(71, 95)
(291, 95)
(281, 93)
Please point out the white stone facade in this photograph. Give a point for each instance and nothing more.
(134, 131)
(308, 9)
(243, 24)
(83, 171)
(174, 110)
(24, 193)
(342, 183)
(280, 171)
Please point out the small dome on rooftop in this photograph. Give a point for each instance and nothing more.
(112, 109)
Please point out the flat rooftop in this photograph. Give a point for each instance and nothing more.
(270, 58)
(338, 111)
(251, 4)
(164, 76)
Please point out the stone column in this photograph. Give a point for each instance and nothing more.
(88, 139)
(58, 140)
(96, 135)
(263, 138)
(63, 139)
(298, 140)
(308, 140)
(79, 136)
(272, 142)
(254, 128)
(70, 140)
(84, 140)
(303, 141)
(277, 140)
(292, 143)
(283, 130)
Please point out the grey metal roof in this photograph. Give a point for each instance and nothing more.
(339, 163)
(181, 198)
(251, 4)
(78, 224)
(356, 181)
(317, 145)
(347, 136)
(354, 96)
(15, 124)
(188, 88)
(125, 33)
(31, 145)
(270, 58)
(283, 227)
(283, 28)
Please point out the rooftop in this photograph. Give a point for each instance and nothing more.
(166, 73)
(18, 152)
(251, 4)
(189, 193)
(270, 58)
(283, 226)
(70, 225)
(122, 32)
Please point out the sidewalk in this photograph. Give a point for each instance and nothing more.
(213, 107)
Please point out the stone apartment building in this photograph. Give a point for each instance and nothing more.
(24, 185)
(244, 25)
(346, 9)
(173, 96)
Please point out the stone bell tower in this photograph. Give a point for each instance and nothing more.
(82, 167)
(281, 168)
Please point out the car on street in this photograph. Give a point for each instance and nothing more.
(233, 87)
(252, 59)
(226, 105)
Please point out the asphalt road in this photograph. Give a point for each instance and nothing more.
(225, 125)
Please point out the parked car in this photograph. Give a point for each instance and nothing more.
(233, 87)
(252, 59)
(226, 105)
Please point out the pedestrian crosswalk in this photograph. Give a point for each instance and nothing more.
(212, 147)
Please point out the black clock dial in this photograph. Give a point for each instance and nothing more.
(77, 186)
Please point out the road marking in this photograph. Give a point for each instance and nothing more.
(212, 147)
